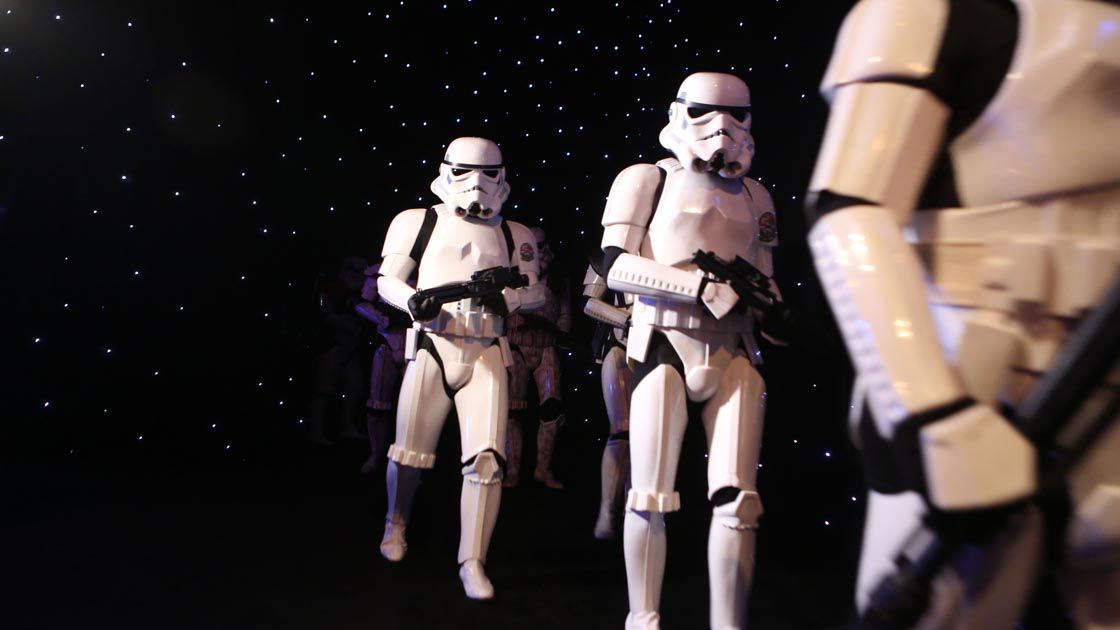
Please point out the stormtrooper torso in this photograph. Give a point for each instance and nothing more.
(698, 211)
(1053, 126)
(457, 248)
(702, 212)
(1039, 175)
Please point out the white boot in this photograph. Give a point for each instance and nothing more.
(475, 583)
(614, 470)
(400, 484)
(514, 444)
(478, 513)
(644, 545)
(546, 444)
(731, 559)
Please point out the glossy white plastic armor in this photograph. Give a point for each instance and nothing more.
(976, 300)
(701, 135)
(698, 210)
(1052, 128)
(466, 363)
(472, 179)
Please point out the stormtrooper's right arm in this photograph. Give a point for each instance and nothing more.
(396, 263)
(594, 288)
(628, 212)
(883, 133)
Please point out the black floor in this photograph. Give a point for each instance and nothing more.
(293, 544)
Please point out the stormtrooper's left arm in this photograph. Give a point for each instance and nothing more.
(762, 208)
(883, 134)
(524, 257)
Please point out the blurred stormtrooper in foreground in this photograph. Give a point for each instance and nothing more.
(691, 336)
(967, 204)
(473, 269)
(611, 313)
(534, 337)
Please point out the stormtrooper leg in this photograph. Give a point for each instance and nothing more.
(422, 408)
(733, 421)
(613, 470)
(383, 381)
(547, 374)
(615, 467)
(518, 403)
(658, 422)
(482, 405)
(515, 439)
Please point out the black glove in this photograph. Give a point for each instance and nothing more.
(495, 302)
(422, 308)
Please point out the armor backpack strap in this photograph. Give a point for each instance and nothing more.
(664, 166)
(423, 236)
(508, 234)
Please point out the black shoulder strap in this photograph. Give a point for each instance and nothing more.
(424, 235)
(509, 240)
(662, 173)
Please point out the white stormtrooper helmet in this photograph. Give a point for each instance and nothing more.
(472, 180)
(710, 125)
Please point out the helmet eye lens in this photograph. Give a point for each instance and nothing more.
(738, 113)
(491, 172)
(457, 172)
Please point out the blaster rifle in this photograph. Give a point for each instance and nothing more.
(753, 288)
(486, 285)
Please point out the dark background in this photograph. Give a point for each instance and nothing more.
(173, 177)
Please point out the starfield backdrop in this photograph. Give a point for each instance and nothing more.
(174, 175)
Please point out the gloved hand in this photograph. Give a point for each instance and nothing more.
(422, 308)
(718, 297)
(977, 468)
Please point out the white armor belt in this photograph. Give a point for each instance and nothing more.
(466, 318)
(1058, 257)
(691, 316)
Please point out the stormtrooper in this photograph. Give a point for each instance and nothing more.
(457, 352)
(386, 369)
(967, 214)
(611, 312)
(690, 337)
(338, 371)
(534, 336)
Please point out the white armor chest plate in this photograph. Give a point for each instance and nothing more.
(459, 248)
(1054, 125)
(706, 216)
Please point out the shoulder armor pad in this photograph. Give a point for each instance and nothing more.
(883, 39)
(403, 231)
(632, 194)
